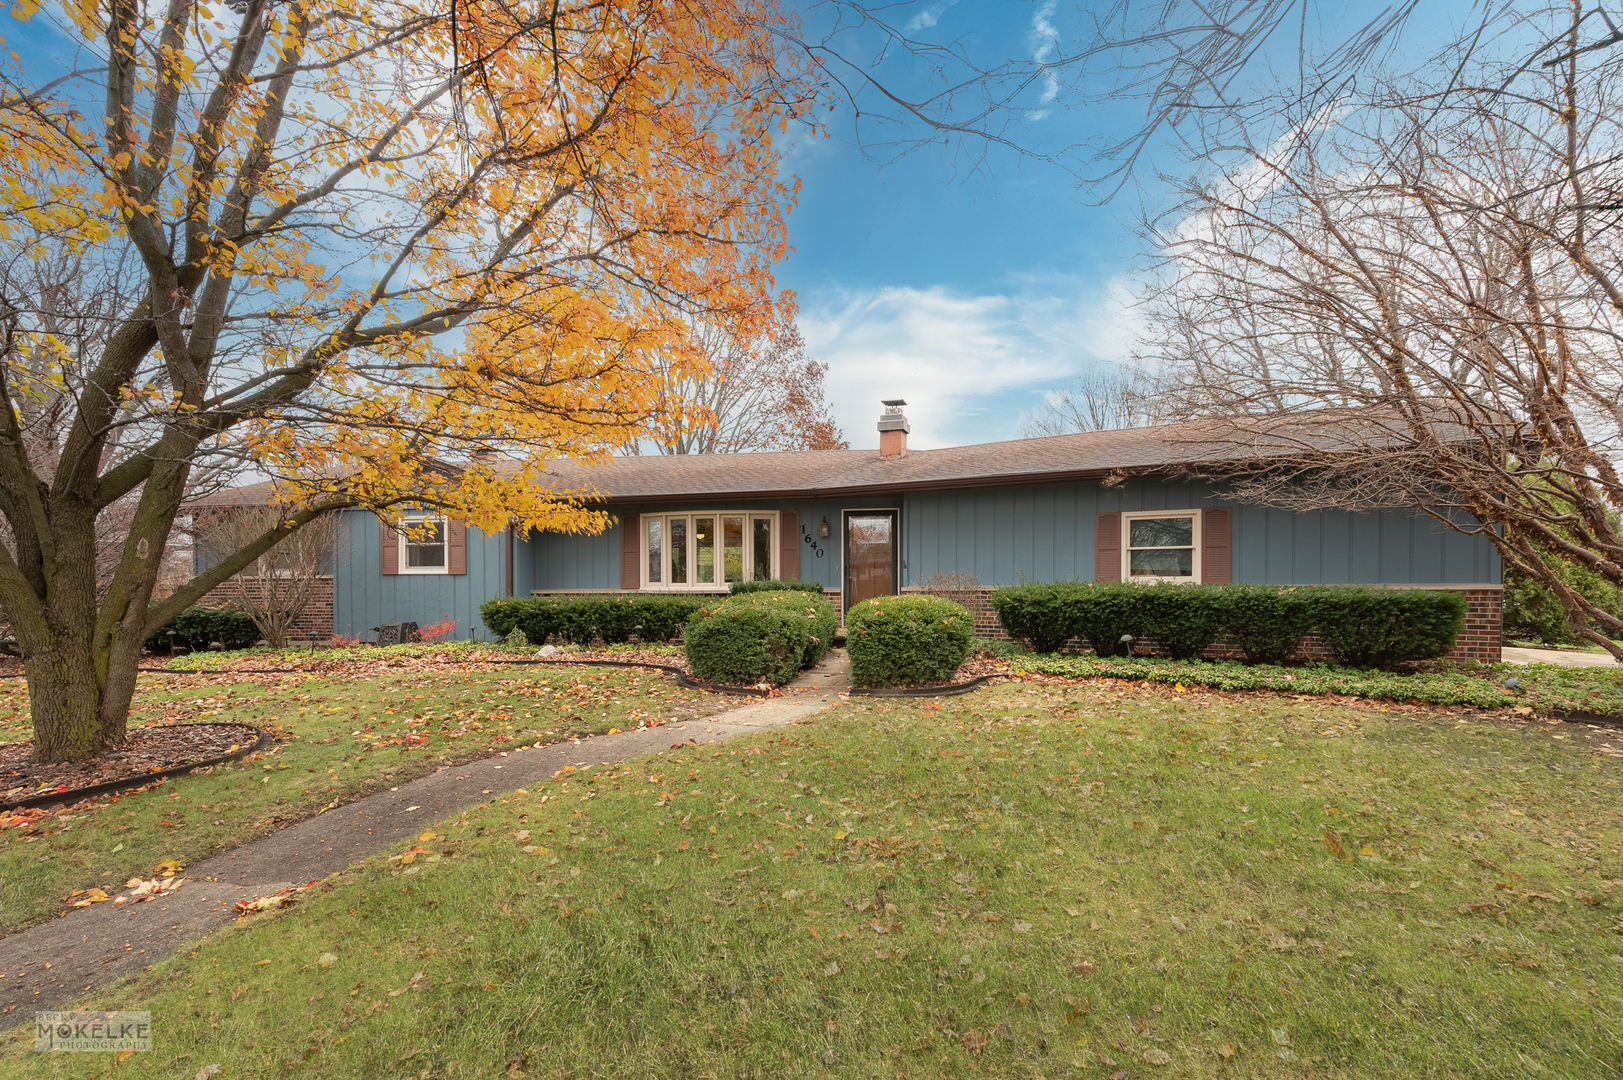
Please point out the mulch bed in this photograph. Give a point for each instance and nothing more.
(146, 751)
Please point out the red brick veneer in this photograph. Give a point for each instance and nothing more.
(314, 624)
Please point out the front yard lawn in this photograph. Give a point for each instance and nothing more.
(340, 734)
(1083, 879)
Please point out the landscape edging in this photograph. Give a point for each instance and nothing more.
(76, 794)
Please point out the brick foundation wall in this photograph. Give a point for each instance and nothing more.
(314, 624)
(1480, 639)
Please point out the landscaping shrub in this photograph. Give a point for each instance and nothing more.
(1365, 627)
(759, 636)
(1039, 615)
(1268, 621)
(197, 628)
(1182, 619)
(579, 619)
(901, 640)
(776, 586)
(1105, 612)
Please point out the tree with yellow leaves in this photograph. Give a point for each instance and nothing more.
(349, 247)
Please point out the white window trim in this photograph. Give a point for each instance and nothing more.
(1128, 517)
(665, 535)
(401, 539)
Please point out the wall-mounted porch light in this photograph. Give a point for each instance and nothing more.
(822, 530)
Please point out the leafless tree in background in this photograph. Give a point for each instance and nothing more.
(1416, 300)
(1100, 401)
(760, 395)
(910, 77)
(280, 585)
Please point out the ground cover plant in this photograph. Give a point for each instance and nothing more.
(1544, 689)
(340, 735)
(1079, 878)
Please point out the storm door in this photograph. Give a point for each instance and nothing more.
(871, 555)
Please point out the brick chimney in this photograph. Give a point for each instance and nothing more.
(893, 429)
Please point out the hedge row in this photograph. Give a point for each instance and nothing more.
(776, 586)
(1361, 626)
(904, 640)
(197, 628)
(759, 636)
(580, 619)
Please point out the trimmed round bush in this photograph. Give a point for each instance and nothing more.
(1268, 622)
(1182, 619)
(905, 640)
(759, 636)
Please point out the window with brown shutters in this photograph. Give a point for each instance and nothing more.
(789, 545)
(456, 547)
(1107, 547)
(1216, 545)
(389, 549)
(630, 552)
(424, 544)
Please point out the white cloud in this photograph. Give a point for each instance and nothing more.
(970, 367)
(1044, 39)
(928, 17)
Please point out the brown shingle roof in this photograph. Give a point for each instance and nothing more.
(815, 473)
(1084, 456)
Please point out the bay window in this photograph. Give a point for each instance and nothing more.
(708, 550)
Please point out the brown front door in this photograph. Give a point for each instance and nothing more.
(870, 555)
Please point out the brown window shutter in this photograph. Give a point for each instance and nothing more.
(456, 547)
(789, 545)
(630, 551)
(1216, 546)
(389, 549)
(1107, 547)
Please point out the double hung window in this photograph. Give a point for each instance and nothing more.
(422, 546)
(1161, 546)
(708, 550)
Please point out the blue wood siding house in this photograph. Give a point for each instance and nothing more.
(1112, 504)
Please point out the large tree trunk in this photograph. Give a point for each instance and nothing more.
(78, 710)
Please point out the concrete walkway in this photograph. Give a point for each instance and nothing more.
(1560, 657)
(54, 963)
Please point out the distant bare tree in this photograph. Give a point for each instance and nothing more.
(1099, 401)
(765, 394)
(910, 76)
(1416, 300)
(279, 586)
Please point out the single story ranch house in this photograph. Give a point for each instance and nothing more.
(1097, 505)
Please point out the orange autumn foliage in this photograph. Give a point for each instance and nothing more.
(350, 247)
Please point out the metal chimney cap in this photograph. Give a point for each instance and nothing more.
(894, 403)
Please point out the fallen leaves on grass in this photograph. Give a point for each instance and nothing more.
(280, 899)
(416, 984)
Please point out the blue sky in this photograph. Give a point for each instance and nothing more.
(968, 282)
(972, 288)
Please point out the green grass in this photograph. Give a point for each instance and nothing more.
(1055, 880)
(338, 738)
